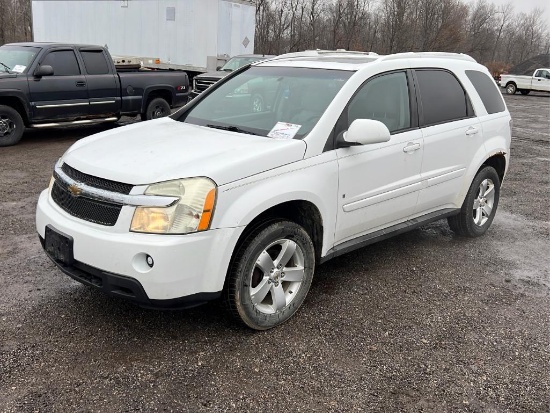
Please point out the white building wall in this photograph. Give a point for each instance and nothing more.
(201, 28)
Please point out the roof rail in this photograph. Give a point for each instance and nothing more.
(424, 55)
(319, 52)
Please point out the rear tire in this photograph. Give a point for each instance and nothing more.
(11, 126)
(525, 92)
(511, 88)
(270, 275)
(156, 108)
(480, 206)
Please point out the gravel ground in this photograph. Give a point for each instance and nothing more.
(426, 321)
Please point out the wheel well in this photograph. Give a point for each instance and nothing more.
(498, 162)
(16, 104)
(161, 93)
(301, 212)
(511, 82)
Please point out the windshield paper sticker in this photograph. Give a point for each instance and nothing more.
(19, 68)
(283, 130)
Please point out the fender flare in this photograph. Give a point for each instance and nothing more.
(21, 97)
(164, 88)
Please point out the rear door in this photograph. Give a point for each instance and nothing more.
(103, 84)
(379, 183)
(452, 135)
(64, 95)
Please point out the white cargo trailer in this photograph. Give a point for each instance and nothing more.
(194, 35)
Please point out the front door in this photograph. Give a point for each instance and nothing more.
(541, 81)
(64, 95)
(379, 183)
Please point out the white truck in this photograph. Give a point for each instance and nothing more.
(191, 35)
(539, 82)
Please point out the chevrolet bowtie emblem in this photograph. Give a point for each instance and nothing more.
(75, 190)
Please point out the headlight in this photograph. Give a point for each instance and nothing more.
(192, 213)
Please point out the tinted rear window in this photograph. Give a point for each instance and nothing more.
(442, 96)
(95, 62)
(486, 88)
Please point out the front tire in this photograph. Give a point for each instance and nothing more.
(480, 206)
(156, 108)
(270, 275)
(11, 126)
(511, 88)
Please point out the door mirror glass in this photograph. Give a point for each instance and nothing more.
(366, 132)
(44, 70)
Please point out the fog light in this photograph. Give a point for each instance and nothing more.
(149, 261)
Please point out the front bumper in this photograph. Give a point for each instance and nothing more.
(126, 287)
(187, 268)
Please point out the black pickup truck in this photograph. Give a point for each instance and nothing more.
(52, 84)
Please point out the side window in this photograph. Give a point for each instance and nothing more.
(442, 97)
(64, 63)
(95, 62)
(538, 73)
(487, 91)
(384, 98)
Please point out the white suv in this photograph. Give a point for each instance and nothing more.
(223, 200)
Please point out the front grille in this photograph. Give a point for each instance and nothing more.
(203, 84)
(96, 182)
(99, 212)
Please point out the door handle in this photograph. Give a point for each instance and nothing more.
(471, 131)
(411, 147)
(80, 84)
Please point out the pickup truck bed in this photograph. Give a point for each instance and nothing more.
(50, 84)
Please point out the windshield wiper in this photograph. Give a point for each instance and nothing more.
(231, 129)
(6, 68)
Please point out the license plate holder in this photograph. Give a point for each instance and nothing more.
(59, 246)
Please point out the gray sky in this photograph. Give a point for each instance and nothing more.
(526, 6)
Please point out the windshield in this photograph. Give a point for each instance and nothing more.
(264, 100)
(235, 62)
(16, 58)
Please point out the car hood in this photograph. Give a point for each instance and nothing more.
(214, 75)
(166, 149)
(5, 75)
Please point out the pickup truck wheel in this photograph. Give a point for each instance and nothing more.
(511, 88)
(480, 205)
(157, 108)
(11, 126)
(270, 275)
(524, 92)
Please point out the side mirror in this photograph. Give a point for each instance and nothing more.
(366, 132)
(218, 68)
(547, 76)
(44, 70)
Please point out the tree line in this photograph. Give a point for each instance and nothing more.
(497, 36)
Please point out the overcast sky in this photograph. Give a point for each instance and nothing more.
(526, 6)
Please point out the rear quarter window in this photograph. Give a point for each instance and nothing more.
(487, 91)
